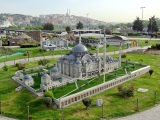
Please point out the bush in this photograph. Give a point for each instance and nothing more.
(28, 45)
(47, 101)
(26, 54)
(20, 66)
(5, 68)
(43, 62)
(42, 50)
(126, 92)
(123, 56)
(48, 94)
(146, 41)
(87, 102)
(151, 72)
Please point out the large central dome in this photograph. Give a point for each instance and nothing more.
(79, 48)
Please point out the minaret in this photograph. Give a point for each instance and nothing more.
(79, 37)
(97, 51)
(104, 55)
(120, 52)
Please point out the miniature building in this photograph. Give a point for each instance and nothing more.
(55, 74)
(28, 80)
(81, 63)
(52, 44)
(46, 80)
(19, 74)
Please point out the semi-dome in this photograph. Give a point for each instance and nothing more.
(89, 60)
(61, 58)
(79, 48)
(55, 69)
(78, 62)
(45, 76)
(27, 77)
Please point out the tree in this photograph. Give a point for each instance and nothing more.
(108, 32)
(79, 25)
(5, 68)
(87, 102)
(101, 26)
(47, 101)
(137, 25)
(68, 29)
(152, 26)
(151, 72)
(48, 26)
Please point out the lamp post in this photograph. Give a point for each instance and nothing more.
(142, 12)
(151, 29)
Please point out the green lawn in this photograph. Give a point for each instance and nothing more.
(14, 104)
(34, 52)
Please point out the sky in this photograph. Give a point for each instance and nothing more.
(103, 10)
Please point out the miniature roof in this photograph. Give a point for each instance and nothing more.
(22, 36)
(54, 69)
(45, 76)
(79, 48)
(27, 77)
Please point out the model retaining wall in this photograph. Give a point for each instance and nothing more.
(77, 97)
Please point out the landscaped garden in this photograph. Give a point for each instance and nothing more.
(14, 104)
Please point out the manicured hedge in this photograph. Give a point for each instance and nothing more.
(29, 45)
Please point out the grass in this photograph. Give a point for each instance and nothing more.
(34, 52)
(59, 92)
(14, 104)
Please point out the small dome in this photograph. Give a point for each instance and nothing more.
(89, 60)
(45, 76)
(71, 57)
(55, 69)
(43, 86)
(27, 77)
(78, 62)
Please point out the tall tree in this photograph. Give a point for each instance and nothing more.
(101, 26)
(152, 26)
(138, 25)
(68, 29)
(79, 25)
(48, 26)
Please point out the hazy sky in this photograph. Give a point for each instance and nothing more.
(105, 10)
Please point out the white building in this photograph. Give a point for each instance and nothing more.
(28, 80)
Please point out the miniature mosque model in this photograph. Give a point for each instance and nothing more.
(78, 64)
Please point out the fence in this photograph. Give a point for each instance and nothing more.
(110, 110)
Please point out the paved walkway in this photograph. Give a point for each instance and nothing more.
(151, 114)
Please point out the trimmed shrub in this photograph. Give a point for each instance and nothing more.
(20, 65)
(151, 72)
(87, 102)
(48, 94)
(28, 45)
(5, 68)
(123, 56)
(43, 62)
(42, 50)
